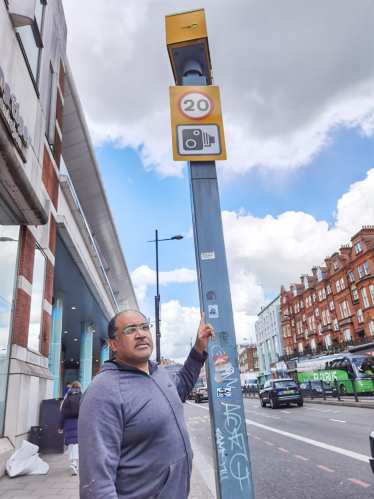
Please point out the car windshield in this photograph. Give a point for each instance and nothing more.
(364, 366)
(285, 384)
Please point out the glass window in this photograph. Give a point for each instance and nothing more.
(355, 294)
(332, 306)
(360, 271)
(337, 284)
(336, 324)
(319, 295)
(342, 285)
(313, 343)
(39, 7)
(320, 328)
(336, 266)
(366, 267)
(317, 312)
(347, 335)
(314, 297)
(328, 289)
(328, 340)
(360, 316)
(301, 349)
(324, 318)
(365, 297)
(358, 247)
(37, 298)
(351, 276)
(371, 327)
(328, 316)
(9, 239)
(323, 293)
(371, 288)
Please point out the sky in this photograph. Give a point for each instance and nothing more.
(297, 91)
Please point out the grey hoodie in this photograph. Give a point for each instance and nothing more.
(133, 440)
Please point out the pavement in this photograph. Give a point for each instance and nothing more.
(314, 452)
(60, 484)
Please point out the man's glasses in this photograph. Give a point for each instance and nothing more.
(132, 329)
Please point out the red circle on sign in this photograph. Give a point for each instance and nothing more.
(179, 105)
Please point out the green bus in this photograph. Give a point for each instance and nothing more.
(344, 367)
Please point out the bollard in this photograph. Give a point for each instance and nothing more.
(323, 390)
(311, 390)
(337, 388)
(354, 389)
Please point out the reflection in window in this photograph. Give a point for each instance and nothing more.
(37, 297)
(9, 237)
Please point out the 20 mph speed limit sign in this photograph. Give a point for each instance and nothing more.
(196, 123)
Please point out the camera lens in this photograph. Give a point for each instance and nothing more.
(190, 143)
(196, 132)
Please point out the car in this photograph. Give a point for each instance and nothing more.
(278, 392)
(330, 391)
(201, 394)
(371, 458)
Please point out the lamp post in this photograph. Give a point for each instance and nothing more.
(157, 297)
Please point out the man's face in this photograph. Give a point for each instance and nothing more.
(132, 349)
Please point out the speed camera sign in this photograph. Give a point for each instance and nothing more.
(196, 122)
(195, 105)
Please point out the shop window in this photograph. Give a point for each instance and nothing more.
(37, 299)
(31, 39)
(9, 242)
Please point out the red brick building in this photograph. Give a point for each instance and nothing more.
(248, 360)
(334, 306)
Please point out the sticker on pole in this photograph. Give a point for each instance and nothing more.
(213, 311)
(196, 123)
(224, 392)
(208, 256)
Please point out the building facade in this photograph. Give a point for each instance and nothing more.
(248, 360)
(62, 270)
(334, 306)
(269, 339)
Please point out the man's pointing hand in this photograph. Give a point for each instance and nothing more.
(203, 333)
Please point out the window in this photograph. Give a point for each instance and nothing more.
(324, 293)
(351, 277)
(304, 319)
(314, 297)
(313, 323)
(317, 312)
(324, 318)
(310, 322)
(328, 289)
(291, 309)
(313, 343)
(358, 247)
(293, 322)
(332, 306)
(344, 309)
(366, 267)
(301, 349)
(294, 338)
(360, 316)
(360, 271)
(371, 327)
(37, 298)
(288, 330)
(256, 364)
(302, 304)
(337, 284)
(365, 297)
(336, 324)
(371, 288)
(284, 299)
(336, 266)
(328, 316)
(328, 340)
(306, 333)
(31, 40)
(319, 295)
(306, 302)
(355, 294)
(342, 285)
(319, 275)
(284, 331)
(310, 301)
(320, 328)
(49, 101)
(347, 335)
(275, 345)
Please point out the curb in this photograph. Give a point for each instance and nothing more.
(205, 469)
(364, 405)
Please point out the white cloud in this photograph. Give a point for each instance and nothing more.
(262, 255)
(290, 73)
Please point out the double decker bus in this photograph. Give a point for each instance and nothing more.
(356, 365)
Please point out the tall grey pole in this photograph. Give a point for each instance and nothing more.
(231, 454)
(157, 309)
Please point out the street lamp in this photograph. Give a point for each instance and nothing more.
(157, 297)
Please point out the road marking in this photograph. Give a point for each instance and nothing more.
(335, 411)
(269, 443)
(327, 410)
(258, 438)
(324, 468)
(338, 421)
(248, 434)
(358, 482)
(283, 450)
(302, 458)
(338, 450)
(287, 412)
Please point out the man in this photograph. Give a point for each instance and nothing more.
(66, 389)
(133, 441)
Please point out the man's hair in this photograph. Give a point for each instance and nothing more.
(112, 324)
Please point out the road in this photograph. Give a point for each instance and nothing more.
(310, 452)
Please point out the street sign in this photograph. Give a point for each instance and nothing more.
(196, 124)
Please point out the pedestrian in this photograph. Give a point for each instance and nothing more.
(66, 389)
(68, 423)
(133, 438)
